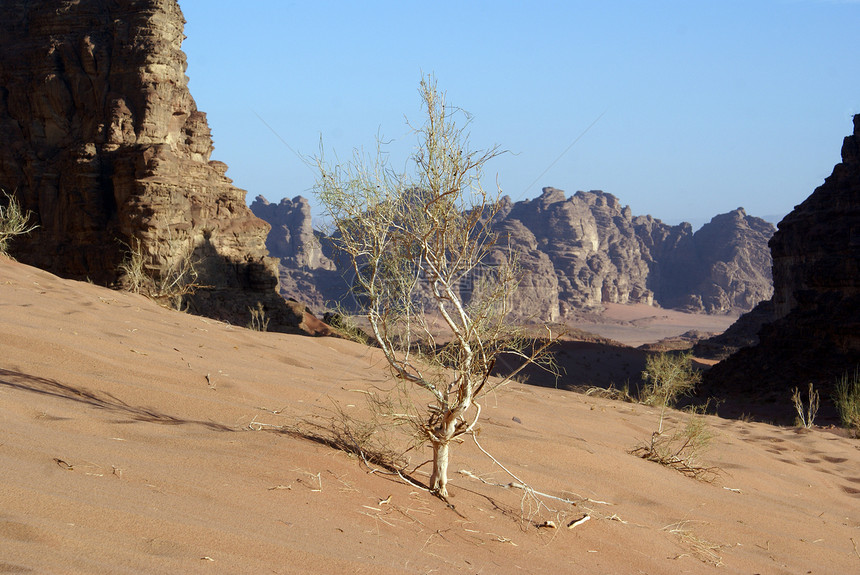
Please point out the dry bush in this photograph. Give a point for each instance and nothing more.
(167, 284)
(13, 222)
(259, 321)
(611, 392)
(681, 449)
(846, 396)
(382, 436)
(668, 376)
(341, 320)
(806, 415)
(701, 549)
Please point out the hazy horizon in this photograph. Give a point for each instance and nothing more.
(682, 110)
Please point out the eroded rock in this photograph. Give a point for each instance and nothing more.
(103, 142)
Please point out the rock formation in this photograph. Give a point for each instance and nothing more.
(576, 253)
(306, 272)
(103, 142)
(591, 242)
(601, 253)
(814, 335)
(726, 268)
(292, 237)
(536, 296)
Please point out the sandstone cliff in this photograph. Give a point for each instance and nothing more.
(576, 253)
(726, 267)
(601, 253)
(815, 332)
(292, 237)
(104, 143)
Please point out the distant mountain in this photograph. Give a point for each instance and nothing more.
(577, 253)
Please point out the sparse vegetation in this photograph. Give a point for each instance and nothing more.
(13, 221)
(167, 284)
(345, 324)
(413, 241)
(701, 549)
(259, 321)
(681, 449)
(669, 376)
(378, 438)
(846, 396)
(806, 414)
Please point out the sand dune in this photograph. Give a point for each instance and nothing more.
(134, 439)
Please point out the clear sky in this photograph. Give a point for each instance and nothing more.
(701, 106)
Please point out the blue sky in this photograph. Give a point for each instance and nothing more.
(701, 105)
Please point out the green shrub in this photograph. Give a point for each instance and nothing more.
(13, 222)
(667, 377)
(847, 399)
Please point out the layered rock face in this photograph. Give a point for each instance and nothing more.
(292, 237)
(727, 267)
(814, 334)
(601, 253)
(590, 241)
(103, 142)
(305, 270)
(577, 253)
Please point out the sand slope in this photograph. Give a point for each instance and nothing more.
(129, 443)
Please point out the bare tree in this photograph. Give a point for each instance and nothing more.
(419, 244)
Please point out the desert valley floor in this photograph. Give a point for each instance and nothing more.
(134, 439)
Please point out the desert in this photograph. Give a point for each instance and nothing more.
(139, 439)
(191, 382)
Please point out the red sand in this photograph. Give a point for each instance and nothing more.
(128, 445)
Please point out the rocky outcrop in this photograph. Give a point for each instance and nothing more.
(741, 334)
(306, 273)
(725, 268)
(591, 242)
(292, 238)
(103, 142)
(815, 333)
(537, 294)
(601, 254)
(576, 254)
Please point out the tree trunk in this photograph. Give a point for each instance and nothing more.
(439, 477)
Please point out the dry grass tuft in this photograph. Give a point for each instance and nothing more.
(167, 285)
(806, 414)
(259, 321)
(847, 399)
(703, 550)
(13, 221)
(681, 449)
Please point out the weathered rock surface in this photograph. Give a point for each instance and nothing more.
(727, 268)
(103, 142)
(305, 270)
(576, 253)
(741, 334)
(292, 237)
(601, 253)
(815, 336)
